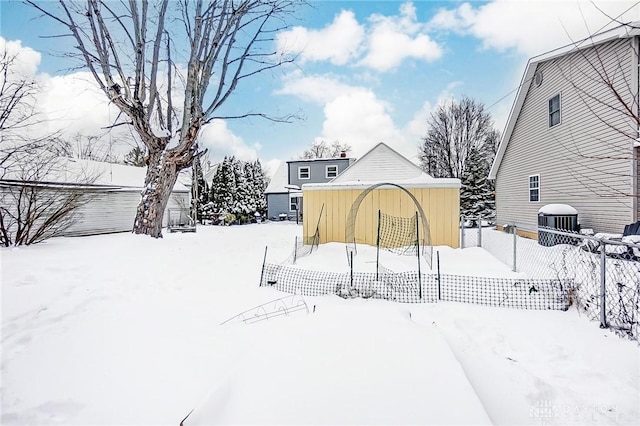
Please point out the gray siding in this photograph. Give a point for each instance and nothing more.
(276, 204)
(115, 211)
(584, 161)
(317, 169)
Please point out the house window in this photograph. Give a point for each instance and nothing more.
(294, 202)
(554, 110)
(534, 188)
(303, 172)
(331, 171)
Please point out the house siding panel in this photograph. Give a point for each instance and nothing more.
(581, 161)
(317, 170)
(115, 211)
(277, 204)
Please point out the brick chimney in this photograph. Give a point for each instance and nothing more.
(343, 154)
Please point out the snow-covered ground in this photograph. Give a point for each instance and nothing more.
(123, 329)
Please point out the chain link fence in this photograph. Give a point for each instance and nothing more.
(601, 271)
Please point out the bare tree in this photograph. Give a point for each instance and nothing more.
(84, 147)
(453, 130)
(17, 112)
(133, 48)
(321, 149)
(34, 203)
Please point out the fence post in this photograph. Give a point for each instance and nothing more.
(418, 251)
(603, 285)
(479, 231)
(462, 231)
(438, 259)
(351, 275)
(378, 248)
(515, 250)
(264, 262)
(295, 250)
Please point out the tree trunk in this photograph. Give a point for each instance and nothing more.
(161, 177)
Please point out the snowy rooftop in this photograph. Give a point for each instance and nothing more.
(96, 173)
(422, 181)
(279, 180)
(382, 164)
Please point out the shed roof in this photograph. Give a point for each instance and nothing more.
(73, 172)
(623, 31)
(382, 164)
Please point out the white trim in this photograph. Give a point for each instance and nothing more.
(326, 171)
(559, 95)
(300, 168)
(622, 31)
(291, 198)
(435, 183)
(539, 187)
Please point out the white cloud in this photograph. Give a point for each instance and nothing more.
(313, 88)
(74, 104)
(338, 42)
(392, 39)
(360, 119)
(221, 142)
(26, 60)
(532, 27)
(382, 45)
(352, 114)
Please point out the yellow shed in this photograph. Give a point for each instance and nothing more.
(382, 180)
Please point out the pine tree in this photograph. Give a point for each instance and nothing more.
(250, 178)
(200, 188)
(223, 187)
(241, 193)
(476, 196)
(260, 184)
(238, 188)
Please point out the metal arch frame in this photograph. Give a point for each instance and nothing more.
(349, 231)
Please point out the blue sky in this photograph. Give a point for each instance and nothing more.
(368, 71)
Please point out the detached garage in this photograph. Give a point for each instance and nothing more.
(110, 194)
(346, 209)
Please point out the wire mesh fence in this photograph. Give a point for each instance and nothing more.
(413, 287)
(602, 271)
(300, 249)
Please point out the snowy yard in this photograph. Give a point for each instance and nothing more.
(123, 329)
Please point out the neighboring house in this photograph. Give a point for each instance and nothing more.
(113, 189)
(284, 194)
(346, 209)
(570, 138)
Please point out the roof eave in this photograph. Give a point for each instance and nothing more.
(623, 31)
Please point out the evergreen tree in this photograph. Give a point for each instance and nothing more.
(250, 178)
(476, 196)
(259, 186)
(135, 157)
(238, 188)
(223, 187)
(241, 193)
(200, 189)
